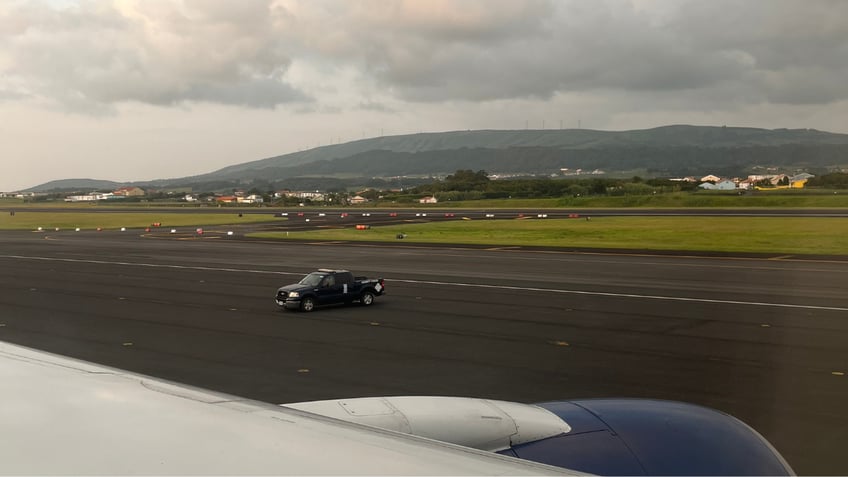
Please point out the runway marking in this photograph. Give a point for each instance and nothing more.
(449, 284)
(626, 295)
(665, 264)
(496, 248)
(151, 265)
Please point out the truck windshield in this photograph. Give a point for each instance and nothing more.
(312, 280)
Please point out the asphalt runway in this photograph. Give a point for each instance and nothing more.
(762, 339)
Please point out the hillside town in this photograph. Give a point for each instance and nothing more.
(240, 197)
(773, 181)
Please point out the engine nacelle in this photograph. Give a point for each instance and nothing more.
(652, 437)
(597, 436)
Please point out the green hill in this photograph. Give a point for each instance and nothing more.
(677, 150)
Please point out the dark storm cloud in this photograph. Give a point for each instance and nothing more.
(796, 50)
(782, 51)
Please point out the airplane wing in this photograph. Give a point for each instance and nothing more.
(64, 416)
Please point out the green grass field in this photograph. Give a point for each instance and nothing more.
(828, 236)
(26, 220)
(788, 235)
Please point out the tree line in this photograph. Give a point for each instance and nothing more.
(470, 185)
(467, 184)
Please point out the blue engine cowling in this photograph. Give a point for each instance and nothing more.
(652, 437)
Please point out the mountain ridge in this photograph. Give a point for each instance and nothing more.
(534, 151)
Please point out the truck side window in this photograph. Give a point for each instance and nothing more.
(329, 281)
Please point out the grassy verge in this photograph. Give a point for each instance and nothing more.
(828, 236)
(24, 220)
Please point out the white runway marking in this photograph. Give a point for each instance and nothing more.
(628, 295)
(149, 265)
(448, 284)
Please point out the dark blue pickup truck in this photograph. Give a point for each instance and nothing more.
(327, 287)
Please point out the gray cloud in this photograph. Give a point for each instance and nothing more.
(431, 51)
(262, 93)
(489, 50)
(154, 52)
(6, 95)
(375, 106)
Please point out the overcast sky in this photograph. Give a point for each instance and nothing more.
(130, 90)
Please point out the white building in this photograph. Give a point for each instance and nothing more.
(251, 199)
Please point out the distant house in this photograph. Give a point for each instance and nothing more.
(81, 198)
(746, 184)
(358, 199)
(725, 185)
(428, 200)
(708, 186)
(226, 199)
(800, 180)
(802, 176)
(92, 197)
(710, 178)
(129, 192)
(313, 196)
(250, 199)
(777, 179)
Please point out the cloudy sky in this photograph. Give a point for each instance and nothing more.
(143, 89)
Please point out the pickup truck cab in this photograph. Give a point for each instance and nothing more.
(327, 287)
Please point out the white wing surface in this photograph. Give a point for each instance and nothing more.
(64, 416)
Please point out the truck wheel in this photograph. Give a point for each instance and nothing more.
(307, 304)
(366, 298)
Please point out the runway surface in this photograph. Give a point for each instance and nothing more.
(762, 339)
